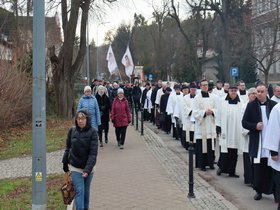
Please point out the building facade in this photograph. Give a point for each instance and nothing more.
(266, 35)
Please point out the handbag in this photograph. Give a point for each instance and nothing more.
(67, 189)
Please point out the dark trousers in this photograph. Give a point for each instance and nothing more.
(152, 119)
(248, 168)
(120, 134)
(276, 185)
(104, 126)
(204, 159)
(262, 177)
(166, 126)
(227, 161)
(146, 115)
(137, 104)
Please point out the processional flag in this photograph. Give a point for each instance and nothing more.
(112, 64)
(128, 62)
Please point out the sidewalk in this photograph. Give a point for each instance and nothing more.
(133, 179)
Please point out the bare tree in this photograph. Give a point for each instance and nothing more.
(191, 41)
(228, 13)
(66, 66)
(266, 33)
(159, 14)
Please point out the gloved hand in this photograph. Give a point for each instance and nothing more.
(102, 108)
(65, 167)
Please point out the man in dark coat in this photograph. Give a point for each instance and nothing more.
(165, 119)
(153, 99)
(143, 99)
(136, 95)
(255, 120)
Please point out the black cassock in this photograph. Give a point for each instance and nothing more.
(262, 177)
(166, 125)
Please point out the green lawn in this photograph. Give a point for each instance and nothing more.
(18, 141)
(17, 193)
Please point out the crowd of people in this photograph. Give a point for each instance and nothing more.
(206, 115)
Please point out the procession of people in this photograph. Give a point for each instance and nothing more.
(226, 116)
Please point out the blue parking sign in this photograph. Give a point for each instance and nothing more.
(234, 71)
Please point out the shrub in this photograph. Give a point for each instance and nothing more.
(15, 97)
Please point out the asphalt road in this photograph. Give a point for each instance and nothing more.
(233, 189)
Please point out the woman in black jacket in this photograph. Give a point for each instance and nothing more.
(80, 157)
(104, 108)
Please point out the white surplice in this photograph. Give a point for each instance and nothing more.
(205, 127)
(272, 137)
(229, 117)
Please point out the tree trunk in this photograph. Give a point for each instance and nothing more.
(266, 76)
(225, 41)
(64, 66)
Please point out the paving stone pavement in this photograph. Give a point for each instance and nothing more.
(133, 179)
(22, 166)
(206, 197)
(145, 175)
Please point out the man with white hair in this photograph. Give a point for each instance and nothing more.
(276, 96)
(255, 120)
(247, 163)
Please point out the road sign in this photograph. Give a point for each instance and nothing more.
(234, 71)
(150, 77)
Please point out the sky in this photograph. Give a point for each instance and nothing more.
(122, 12)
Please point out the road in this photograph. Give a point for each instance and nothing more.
(233, 189)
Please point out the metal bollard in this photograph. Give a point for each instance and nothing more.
(132, 113)
(142, 122)
(191, 182)
(136, 114)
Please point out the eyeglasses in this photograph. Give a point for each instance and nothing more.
(205, 85)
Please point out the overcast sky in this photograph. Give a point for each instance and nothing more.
(122, 12)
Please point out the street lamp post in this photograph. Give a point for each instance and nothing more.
(97, 59)
(39, 192)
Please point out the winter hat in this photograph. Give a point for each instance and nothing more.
(87, 88)
(101, 87)
(193, 85)
(120, 90)
(168, 89)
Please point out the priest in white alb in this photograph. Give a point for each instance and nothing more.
(229, 119)
(204, 112)
(272, 143)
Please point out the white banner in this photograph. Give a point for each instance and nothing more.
(128, 62)
(112, 64)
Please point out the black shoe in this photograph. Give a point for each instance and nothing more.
(219, 172)
(258, 196)
(212, 167)
(234, 175)
(101, 144)
(106, 141)
(203, 169)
